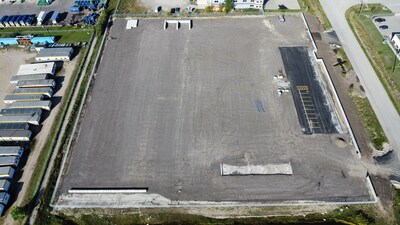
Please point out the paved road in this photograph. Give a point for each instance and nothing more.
(383, 107)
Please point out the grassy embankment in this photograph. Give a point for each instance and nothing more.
(381, 58)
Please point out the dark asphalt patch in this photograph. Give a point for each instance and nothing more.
(311, 104)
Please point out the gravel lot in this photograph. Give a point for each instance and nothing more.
(10, 60)
(168, 106)
(30, 7)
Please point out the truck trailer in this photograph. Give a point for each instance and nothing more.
(32, 91)
(45, 105)
(11, 151)
(20, 112)
(14, 126)
(36, 83)
(6, 172)
(40, 18)
(8, 99)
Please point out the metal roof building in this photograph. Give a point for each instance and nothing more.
(54, 54)
(37, 68)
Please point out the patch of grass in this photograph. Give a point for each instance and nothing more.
(344, 57)
(370, 121)
(314, 7)
(63, 34)
(379, 54)
(131, 7)
(42, 162)
(396, 206)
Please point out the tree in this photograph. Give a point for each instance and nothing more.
(228, 5)
(18, 213)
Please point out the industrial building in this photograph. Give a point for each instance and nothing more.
(45, 105)
(237, 4)
(14, 135)
(55, 54)
(37, 68)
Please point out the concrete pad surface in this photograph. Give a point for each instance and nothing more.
(169, 106)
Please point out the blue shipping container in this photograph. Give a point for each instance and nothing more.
(6, 22)
(29, 20)
(17, 20)
(11, 21)
(4, 18)
(22, 21)
(43, 40)
(75, 9)
(8, 41)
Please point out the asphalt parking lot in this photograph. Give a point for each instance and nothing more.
(30, 7)
(393, 23)
(169, 106)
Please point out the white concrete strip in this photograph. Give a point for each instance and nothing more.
(268, 169)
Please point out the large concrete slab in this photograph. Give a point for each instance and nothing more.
(169, 106)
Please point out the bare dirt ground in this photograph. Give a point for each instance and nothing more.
(10, 61)
(342, 85)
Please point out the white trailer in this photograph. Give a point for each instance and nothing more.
(45, 105)
(36, 83)
(4, 185)
(32, 91)
(9, 161)
(11, 151)
(6, 172)
(22, 98)
(40, 18)
(15, 79)
(37, 68)
(4, 197)
(15, 135)
(14, 126)
(34, 119)
(20, 112)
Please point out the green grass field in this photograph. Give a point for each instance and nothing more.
(62, 34)
(379, 54)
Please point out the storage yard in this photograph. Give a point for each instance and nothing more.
(26, 113)
(171, 116)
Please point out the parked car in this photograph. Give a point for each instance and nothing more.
(177, 9)
(190, 9)
(379, 20)
(157, 9)
(383, 27)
